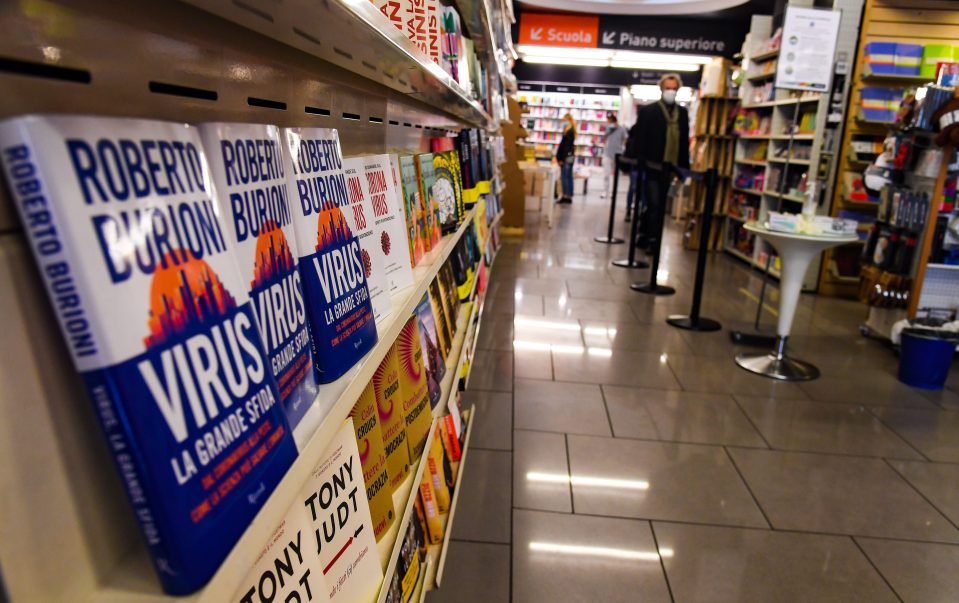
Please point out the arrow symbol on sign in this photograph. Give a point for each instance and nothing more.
(608, 37)
(536, 33)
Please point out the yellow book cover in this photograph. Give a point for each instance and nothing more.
(389, 404)
(413, 387)
(434, 526)
(447, 323)
(369, 441)
(434, 463)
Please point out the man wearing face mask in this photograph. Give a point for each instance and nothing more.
(661, 135)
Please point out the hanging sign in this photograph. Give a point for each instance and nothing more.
(571, 31)
(808, 48)
(674, 36)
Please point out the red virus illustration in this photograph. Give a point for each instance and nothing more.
(367, 264)
(385, 242)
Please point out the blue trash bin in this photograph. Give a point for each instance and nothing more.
(924, 360)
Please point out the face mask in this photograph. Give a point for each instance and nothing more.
(669, 96)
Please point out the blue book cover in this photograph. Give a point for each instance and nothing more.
(122, 218)
(246, 162)
(338, 306)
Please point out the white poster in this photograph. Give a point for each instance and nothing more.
(808, 48)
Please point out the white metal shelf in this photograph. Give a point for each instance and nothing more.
(357, 37)
(129, 582)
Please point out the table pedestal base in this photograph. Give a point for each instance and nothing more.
(784, 369)
(776, 365)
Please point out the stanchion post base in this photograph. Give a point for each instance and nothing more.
(781, 368)
(625, 263)
(652, 289)
(686, 322)
(609, 241)
(758, 340)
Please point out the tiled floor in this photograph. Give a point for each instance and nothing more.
(615, 458)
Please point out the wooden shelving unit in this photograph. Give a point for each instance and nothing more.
(713, 148)
(902, 21)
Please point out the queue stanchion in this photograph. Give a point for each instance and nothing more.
(695, 322)
(609, 239)
(656, 212)
(630, 261)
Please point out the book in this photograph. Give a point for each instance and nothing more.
(389, 404)
(389, 218)
(287, 568)
(434, 525)
(451, 30)
(427, 178)
(413, 388)
(408, 572)
(338, 306)
(416, 25)
(435, 461)
(414, 208)
(158, 323)
(450, 439)
(445, 326)
(447, 191)
(342, 528)
(395, 11)
(433, 360)
(369, 440)
(465, 152)
(246, 162)
(433, 17)
(360, 219)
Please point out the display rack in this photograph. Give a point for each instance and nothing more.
(335, 64)
(896, 21)
(783, 149)
(546, 106)
(713, 147)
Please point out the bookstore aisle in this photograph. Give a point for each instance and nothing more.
(617, 459)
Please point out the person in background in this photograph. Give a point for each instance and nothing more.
(566, 157)
(615, 144)
(660, 135)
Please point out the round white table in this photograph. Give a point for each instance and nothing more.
(795, 253)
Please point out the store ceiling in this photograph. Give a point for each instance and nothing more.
(700, 8)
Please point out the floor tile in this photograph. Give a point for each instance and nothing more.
(483, 507)
(532, 364)
(839, 495)
(619, 367)
(715, 374)
(495, 332)
(536, 332)
(559, 557)
(590, 309)
(492, 370)
(934, 432)
(817, 427)
(873, 387)
(493, 427)
(541, 472)
(715, 565)
(678, 416)
(634, 336)
(944, 398)
(474, 573)
(530, 286)
(561, 407)
(938, 482)
(654, 480)
(604, 289)
(531, 305)
(918, 572)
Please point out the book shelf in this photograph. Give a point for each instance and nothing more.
(713, 147)
(784, 140)
(543, 120)
(336, 65)
(898, 21)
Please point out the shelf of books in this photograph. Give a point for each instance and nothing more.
(898, 51)
(543, 119)
(779, 136)
(241, 286)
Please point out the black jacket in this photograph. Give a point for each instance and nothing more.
(566, 146)
(647, 138)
